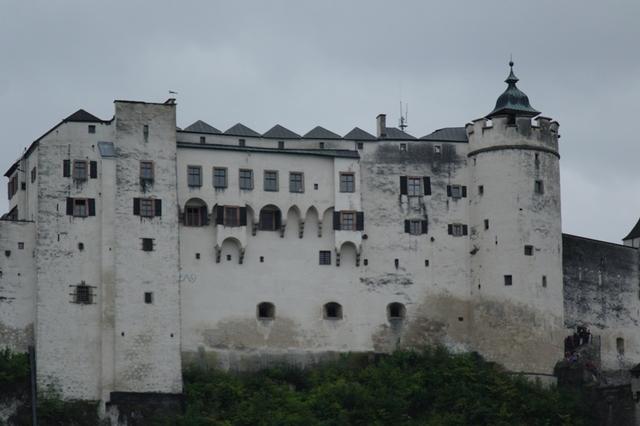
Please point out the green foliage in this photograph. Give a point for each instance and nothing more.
(433, 388)
(14, 370)
(52, 410)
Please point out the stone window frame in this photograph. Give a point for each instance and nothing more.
(346, 185)
(80, 171)
(245, 182)
(229, 213)
(324, 257)
(194, 176)
(296, 185)
(414, 190)
(147, 171)
(348, 214)
(78, 204)
(220, 182)
(274, 181)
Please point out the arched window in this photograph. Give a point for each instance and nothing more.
(333, 310)
(270, 218)
(396, 311)
(266, 310)
(195, 213)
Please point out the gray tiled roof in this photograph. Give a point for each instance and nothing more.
(357, 134)
(319, 132)
(279, 132)
(397, 134)
(635, 232)
(448, 134)
(202, 127)
(242, 130)
(82, 116)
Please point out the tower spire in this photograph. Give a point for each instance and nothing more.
(513, 101)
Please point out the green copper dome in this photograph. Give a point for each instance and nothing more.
(513, 101)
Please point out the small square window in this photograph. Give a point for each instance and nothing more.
(80, 246)
(333, 310)
(347, 182)
(315, 186)
(83, 294)
(325, 257)
(366, 262)
(403, 147)
(266, 311)
(437, 149)
(321, 145)
(415, 227)
(148, 297)
(228, 257)
(486, 224)
(80, 208)
(508, 280)
(242, 142)
(194, 176)
(270, 180)
(203, 139)
(261, 259)
(197, 255)
(528, 250)
(480, 189)
(360, 145)
(348, 221)
(147, 207)
(246, 179)
(296, 182)
(147, 244)
(456, 191)
(20, 246)
(280, 144)
(91, 128)
(219, 177)
(544, 281)
(426, 262)
(539, 187)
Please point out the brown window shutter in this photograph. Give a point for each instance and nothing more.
(70, 206)
(136, 206)
(425, 226)
(66, 168)
(403, 185)
(448, 190)
(464, 192)
(93, 169)
(336, 221)
(465, 229)
(427, 185)
(359, 221)
(158, 206)
(243, 216)
(92, 206)
(450, 229)
(407, 226)
(219, 215)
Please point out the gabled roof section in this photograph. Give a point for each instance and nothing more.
(82, 116)
(279, 132)
(319, 132)
(397, 134)
(202, 127)
(635, 232)
(448, 134)
(357, 134)
(242, 130)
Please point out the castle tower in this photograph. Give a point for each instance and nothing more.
(516, 236)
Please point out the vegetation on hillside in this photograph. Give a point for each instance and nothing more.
(433, 387)
(14, 371)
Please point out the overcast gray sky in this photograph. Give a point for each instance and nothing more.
(338, 64)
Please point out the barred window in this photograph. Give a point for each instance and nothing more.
(347, 182)
(246, 179)
(219, 177)
(296, 182)
(82, 294)
(194, 176)
(325, 257)
(270, 180)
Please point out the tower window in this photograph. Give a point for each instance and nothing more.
(82, 294)
(347, 182)
(219, 177)
(203, 139)
(508, 280)
(620, 345)
(91, 128)
(396, 311)
(79, 170)
(325, 257)
(246, 179)
(539, 187)
(537, 161)
(145, 131)
(544, 281)
(528, 250)
(414, 186)
(266, 311)
(480, 189)
(148, 298)
(486, 224)
(332, 310)
(146, 172)
(403, 147)
(321, 145)
(241, 142)
(296, 182)
(147, 244)
(194, 176)
(280, 144)
(270, 180)
(437, 149)
(360, 145)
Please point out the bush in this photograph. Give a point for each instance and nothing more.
(14, 371)
(432, 387)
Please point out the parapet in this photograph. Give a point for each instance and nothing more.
(540, 132)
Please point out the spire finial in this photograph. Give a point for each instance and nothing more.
(511, 60)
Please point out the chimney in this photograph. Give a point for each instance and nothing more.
(382, 125)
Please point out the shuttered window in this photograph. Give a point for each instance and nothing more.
(79, 170)
(81, 207)
(147, 207)
(415, 226)
(457, 229)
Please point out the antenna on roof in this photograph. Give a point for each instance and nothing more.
(403, 122)
(171, 92)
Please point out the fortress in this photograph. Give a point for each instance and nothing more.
(133, 247)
